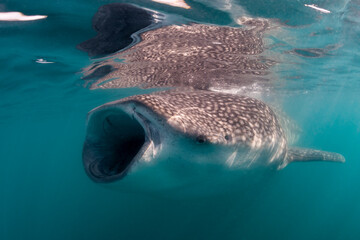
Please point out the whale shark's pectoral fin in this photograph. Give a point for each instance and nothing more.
(306, 155)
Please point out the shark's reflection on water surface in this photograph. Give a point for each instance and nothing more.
(194, 55)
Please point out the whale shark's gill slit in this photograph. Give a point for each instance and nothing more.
(152, 133)
(113, 141)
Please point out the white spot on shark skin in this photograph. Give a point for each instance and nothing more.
(313, 6)
(257, 142)
(174, 3)
(18, 16)
(177, 120)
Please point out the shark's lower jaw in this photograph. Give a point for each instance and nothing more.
(114, 141)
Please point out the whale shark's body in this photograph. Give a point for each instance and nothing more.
(191, 125)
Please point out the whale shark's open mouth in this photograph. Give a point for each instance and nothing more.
(114, 141)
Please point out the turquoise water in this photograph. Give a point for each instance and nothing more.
(45, 193)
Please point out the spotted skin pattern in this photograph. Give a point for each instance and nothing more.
(195, 55)
(214, 117)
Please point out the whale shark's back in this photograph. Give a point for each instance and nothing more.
(214, 117)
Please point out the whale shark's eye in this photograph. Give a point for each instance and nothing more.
(200, 139)
(227, 137)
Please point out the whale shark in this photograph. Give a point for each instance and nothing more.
(196, 126)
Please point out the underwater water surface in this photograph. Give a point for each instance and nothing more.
(46, 194)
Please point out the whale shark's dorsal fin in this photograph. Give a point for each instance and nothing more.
(295, 154)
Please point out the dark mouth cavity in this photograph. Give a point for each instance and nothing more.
(113, 140)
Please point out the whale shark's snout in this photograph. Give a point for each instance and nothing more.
(115, 140)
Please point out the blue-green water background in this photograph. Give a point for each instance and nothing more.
(45, 193)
